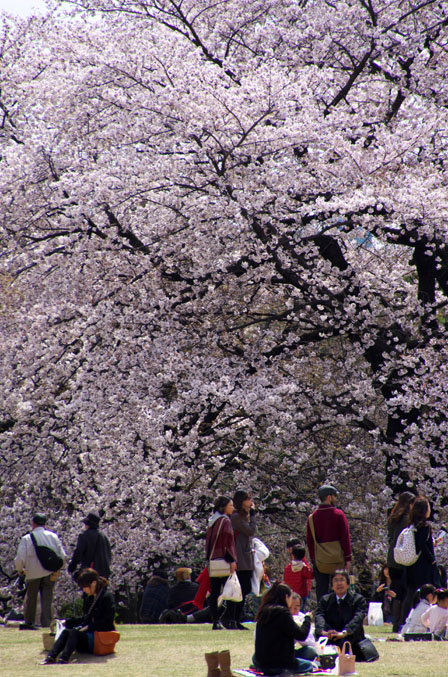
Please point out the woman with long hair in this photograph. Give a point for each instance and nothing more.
(99, 613)
(398, 519)
(220, 544)
(424, 570)
(385, 594)
(276, 632)
(244, 528)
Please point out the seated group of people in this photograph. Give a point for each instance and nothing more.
(339, 617)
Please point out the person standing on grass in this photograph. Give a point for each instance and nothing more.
(398, 519)
(92, 549)
(38, 580)
(244, 528)
(220, 544)
(424, 570)
(327, 527)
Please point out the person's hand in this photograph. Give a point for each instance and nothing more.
(335, 634)
(347, 566)
(84, 629)
(233, 567)
(381, 587)
(310, 615)
(391, 593)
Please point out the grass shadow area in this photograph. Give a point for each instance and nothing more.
(178, 651)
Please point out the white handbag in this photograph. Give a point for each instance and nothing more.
(218, 567)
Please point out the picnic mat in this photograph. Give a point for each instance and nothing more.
(248, 672)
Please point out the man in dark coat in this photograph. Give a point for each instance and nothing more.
(92, 549)
(340, 614)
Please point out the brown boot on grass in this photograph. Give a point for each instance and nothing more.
(224, 662)
(213, 664)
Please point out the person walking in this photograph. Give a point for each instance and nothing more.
(398, 519)
(92, 549)
(220, 544)
(244, 528)
(39, 581)
(328, 539)
(424, 570)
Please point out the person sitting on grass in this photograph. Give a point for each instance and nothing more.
(425, 596)
(340, 614)
(276, 632)
(306, 649)
(99, 613)
(436, 617)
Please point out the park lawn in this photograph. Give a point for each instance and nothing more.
(178, 651)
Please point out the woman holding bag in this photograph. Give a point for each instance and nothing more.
(220, 552)
(99, 613)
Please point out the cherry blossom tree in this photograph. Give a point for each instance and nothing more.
(225, 263)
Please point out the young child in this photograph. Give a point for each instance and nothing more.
(436, 617)
(427, 596)
(298, 574)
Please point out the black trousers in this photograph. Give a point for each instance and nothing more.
(216, 585)
(322, 583)
(235, 609)
(68, 642)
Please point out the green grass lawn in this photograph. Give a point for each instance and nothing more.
(178, 651)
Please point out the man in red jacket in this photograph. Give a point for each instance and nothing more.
(330, 525)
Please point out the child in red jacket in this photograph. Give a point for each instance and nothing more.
(298, 575)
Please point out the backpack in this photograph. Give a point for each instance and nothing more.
(47, 557)
(404, 551)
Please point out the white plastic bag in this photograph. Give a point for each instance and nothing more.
(375, 614)
(232, 589)
(261, 553)
(60, 627)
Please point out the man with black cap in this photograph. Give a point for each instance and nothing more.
(328, 539)
(92, 549)
(38, 579)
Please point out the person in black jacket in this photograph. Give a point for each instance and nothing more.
(99, 613)
(182, 594)
(276, 632)
(424, 570)
(340, 614)
(92, 549)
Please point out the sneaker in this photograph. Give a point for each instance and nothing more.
(27, 626)
(49, 660)
(62, 661)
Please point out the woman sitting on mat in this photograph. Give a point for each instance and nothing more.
(276, 632)
(99, 613)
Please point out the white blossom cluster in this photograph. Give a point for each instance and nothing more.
(224, 263)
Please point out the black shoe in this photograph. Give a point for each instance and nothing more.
(240, 626)
(217, 626)
(27, 626)
(49, 660)
(62, 661)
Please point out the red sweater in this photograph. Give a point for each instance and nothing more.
(298, 581)
(330, 524)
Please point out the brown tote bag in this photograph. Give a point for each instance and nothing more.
(347, 660)
(327, 556)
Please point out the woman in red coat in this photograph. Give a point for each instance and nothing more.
(220, 544)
